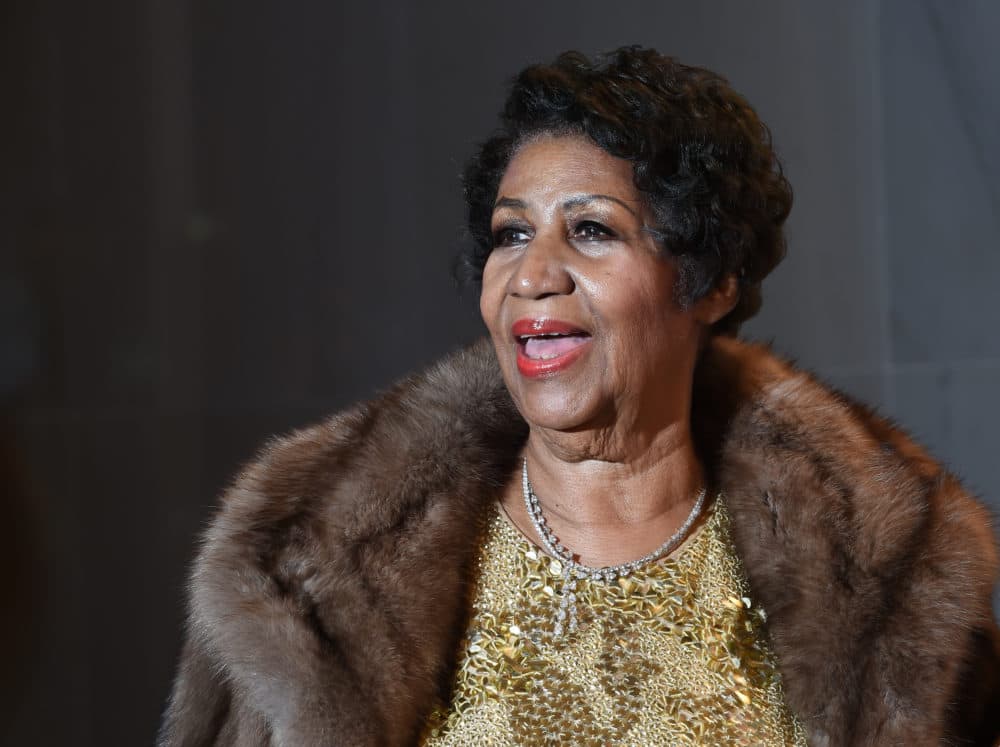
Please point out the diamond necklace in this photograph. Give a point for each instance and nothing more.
(571, 570)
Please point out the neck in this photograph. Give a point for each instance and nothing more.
(610, 502)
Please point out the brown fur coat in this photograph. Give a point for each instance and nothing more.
(328, 598)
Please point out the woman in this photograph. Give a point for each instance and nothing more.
(614, 523)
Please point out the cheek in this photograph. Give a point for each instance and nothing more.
(634, 299)
(642, 313)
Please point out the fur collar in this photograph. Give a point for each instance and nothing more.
(328, 598)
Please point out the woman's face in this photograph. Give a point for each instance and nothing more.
(578, 297)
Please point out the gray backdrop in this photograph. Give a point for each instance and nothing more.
(223, 219)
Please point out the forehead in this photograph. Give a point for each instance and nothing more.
(553, 167)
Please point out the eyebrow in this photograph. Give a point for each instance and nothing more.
(572, 202)
(511, 203)
(584, 199)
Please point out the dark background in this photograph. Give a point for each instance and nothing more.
(223, 219)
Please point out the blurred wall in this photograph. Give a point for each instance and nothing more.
(224, 219)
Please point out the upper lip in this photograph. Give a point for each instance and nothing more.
(524, 328)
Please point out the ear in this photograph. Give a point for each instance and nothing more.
(719, 301)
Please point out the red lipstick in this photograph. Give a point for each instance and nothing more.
(547, 346)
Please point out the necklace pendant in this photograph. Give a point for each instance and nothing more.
(563, 564)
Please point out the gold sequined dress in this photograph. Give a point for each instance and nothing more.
(673, 654)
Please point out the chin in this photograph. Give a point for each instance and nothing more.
(555, 410)
(563, 402)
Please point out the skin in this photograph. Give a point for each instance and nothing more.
(610, 453)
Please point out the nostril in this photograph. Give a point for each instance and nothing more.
(538, 279)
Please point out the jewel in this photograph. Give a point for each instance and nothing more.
(563, 563)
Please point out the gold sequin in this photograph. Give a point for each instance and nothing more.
(674, 654)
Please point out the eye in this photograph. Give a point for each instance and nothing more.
(510, 235)
(590, 230)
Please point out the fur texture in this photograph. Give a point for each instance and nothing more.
(329, 596)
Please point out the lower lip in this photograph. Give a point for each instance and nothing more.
(534, 368)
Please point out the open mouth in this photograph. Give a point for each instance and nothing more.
(549, 346)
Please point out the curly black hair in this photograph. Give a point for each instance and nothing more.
(699, 152)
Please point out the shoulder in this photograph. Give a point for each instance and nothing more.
(309, 497)
(341, 545)
(349, 469)
(785, 429)
(875, 564)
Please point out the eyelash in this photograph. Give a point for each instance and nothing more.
(502, 236)
(604, 231)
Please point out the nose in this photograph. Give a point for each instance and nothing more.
(542, 270)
